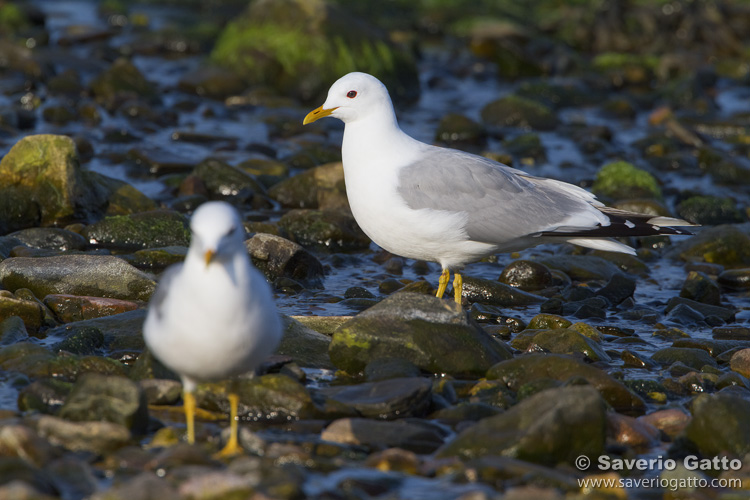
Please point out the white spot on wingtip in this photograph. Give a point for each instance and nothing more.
(629, 224)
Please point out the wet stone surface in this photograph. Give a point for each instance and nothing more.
(118, 119)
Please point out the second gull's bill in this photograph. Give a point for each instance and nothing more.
(447, 206)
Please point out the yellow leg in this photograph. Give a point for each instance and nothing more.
(189, 406)
(443, 283)
(233, 445)
(458, 286)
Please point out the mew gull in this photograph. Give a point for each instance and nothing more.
(213, 316)
(447, 206)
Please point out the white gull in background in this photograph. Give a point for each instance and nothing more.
(213, 317)
(447, 206)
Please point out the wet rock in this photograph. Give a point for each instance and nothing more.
(413, 435)
(73, 477)
(324, 230)
(94, 275)
(156, 258)
(714, 347)
(12, 330)
(560, 341)
(628, 431)
(122, 332)
(109, 399)
(278, 257)
(158, 228)
(141, 487)
(160, 391)
(736, 279)
(432, 334)
(622, 180)
(30, 311)
(267, 172)
(701, 288)
(531, 429)
(548, 321)
(42, 183)
(91, 436)
(272, 398)
(223, 181)
(526, 275)
(17, 440)
(82, 340)
(25, 480)
(317, 40)
(461, 413)
(527, 149)
(516, 111)
(582, 267)
(44, 396)
(710, 211)
(694, 358)
(121, 82)
(385, 399)
(386, 368)
(727, 245)
(456, 130)
(38, 362)
(69, 308)
(725, 314)
(52, 238)
(120, 198)
(496, 294)
(212, 82)
(319, 187)
(719, 424)
(159, 161)
(216, 485)
(740, 362)
(394, 460)
(619, 288)
(671, 421)
(524, 369)
(308, 347)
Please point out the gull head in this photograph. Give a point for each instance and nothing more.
(353, 97)
(217, 232)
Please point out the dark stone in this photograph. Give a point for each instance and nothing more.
(495, 293)
(523, 369)
(532, 430)
(526, 275)
(433, 334)
(719, 424)
(385, 399)
(323, 230)
(619, 288)
(694, 358)
(515, 111)
(94, 275)
(700, 287)
(414, 435)
(158, 228)
(52, 238)
(278, 257)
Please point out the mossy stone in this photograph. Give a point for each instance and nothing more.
(157, 228)
(300, 47)
(623, 180)
(710, 210)
(516, 111)
(430, 333)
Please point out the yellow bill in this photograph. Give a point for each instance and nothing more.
(317, 114)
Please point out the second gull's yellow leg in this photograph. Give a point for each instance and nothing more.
(443, 283)
(189, 406)
(233, 445)
(458, 286)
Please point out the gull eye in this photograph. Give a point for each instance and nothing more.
(351, 94)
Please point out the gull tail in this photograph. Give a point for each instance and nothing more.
(621, 223)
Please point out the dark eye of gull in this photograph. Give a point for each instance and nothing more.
(351, 94)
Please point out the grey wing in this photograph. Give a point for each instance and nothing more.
(156, 304)
(501, 203)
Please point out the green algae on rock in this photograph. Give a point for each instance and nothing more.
(324, 230)
(621, 180)
(515, 111)
(523, 369)
(719, 424)
(531, 429)
(157, 228)
(300, 47)
(95, 275)
(430, 333)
